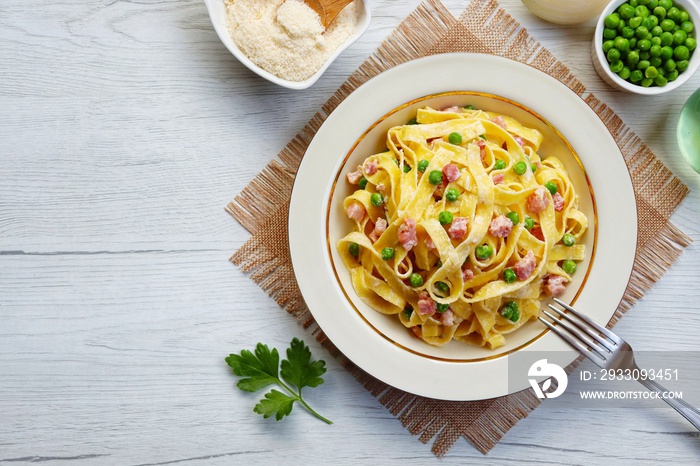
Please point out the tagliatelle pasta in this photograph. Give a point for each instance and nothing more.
(460, 229)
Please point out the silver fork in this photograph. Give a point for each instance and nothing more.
(608, 351)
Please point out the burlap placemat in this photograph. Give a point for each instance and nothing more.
(483, 27)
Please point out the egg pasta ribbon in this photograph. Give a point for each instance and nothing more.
(459, 228)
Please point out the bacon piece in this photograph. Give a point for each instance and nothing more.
(447, 318)
(555, 285)
(538, 201)
(498, 178)
(426, 305)
(519, 140)
(454, 109)
(451, 172)
(499, 121)
(458, 228)
(381, 188)
(356, 211)
(482, 148)
(558, 201)
(417, 331)
(379, 228)
(467, 274)
(500, 226)
(430, 244)
(354, 177)
(371, 167)
(407, 234)
(525, 266)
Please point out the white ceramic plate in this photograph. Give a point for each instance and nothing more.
(379, 344)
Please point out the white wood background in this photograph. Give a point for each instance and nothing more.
(125, 128)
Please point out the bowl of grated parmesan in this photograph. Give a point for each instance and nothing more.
(283, 41)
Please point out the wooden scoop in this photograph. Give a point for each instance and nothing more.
(327, 9)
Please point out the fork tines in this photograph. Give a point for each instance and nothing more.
(581, 331)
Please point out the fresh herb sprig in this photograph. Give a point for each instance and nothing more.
(262, 369)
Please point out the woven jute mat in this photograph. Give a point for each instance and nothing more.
(431, 29)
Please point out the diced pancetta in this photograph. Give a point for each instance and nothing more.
(458, 228)
(407, 234)
(430, 244)
(555, 285)
(354, 177)
(467, 274)
(482, 148)
(379, 228)
(450, 172)
(447, 318)
(498, 178)
(500, 226)
(499, 121)
(381, 187)
(525, 266)
(371, 167)
(519, 140)
(426, 305)
(417, 331)
(538, 201)
(558, 201)
(355, 211)
(454, 108)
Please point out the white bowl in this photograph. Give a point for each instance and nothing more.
(565, 11)
(217, 13)
(601, 65)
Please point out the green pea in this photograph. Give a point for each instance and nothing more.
(674, 14)
(620, 25)
(667, 25)
(511, 311)
(423, 165)
(520, 168)
(452, 194)
(660, 12)
(687, 27)
(679, 37)
(484, 251)
(644, 44)
(691, 43)
(641, 11)
(469, 107)
(612, 21)
(669, 65)
(514, 217)
(655, 50)
(376, 199)
(568, 239)
(643, 2)
(569, 266)
(655, 62)
(666, 52)
(626, 11)
(406, 168)
(646, 82)
(528, 223)
(652, 4)
(635, 22)
(407, 312)
(655, 41)
(435, 177)
(533, 167)
(641, 32)
(388, 253)
(682, 65)
(660, 81)
(362, 183)
(633, 43)
(672, 76)
(636, 76)
(625, 72)
(685, 16)
(483, 136)
(415, 280)
(622, 44)
(666, 38)
(455, 138)
(656, 32)
(499, 164)
(617, 66)
(633, 3)
(509, 276)
(445, 217)
(643, 65)
(609, 34)
(396, 161)
(681, 52)
(627, 32)
(354, 250)
(442, 287)
(412, 121)
(442, 307)
(551, 187)
(665, 4)
(633, 57)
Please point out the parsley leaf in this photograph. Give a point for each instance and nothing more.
(261, 369)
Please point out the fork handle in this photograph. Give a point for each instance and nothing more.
(686, 410)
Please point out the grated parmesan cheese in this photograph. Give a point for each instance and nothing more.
(286, 37)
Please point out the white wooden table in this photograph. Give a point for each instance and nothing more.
(126, 127)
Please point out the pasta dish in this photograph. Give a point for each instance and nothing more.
(460, 228)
